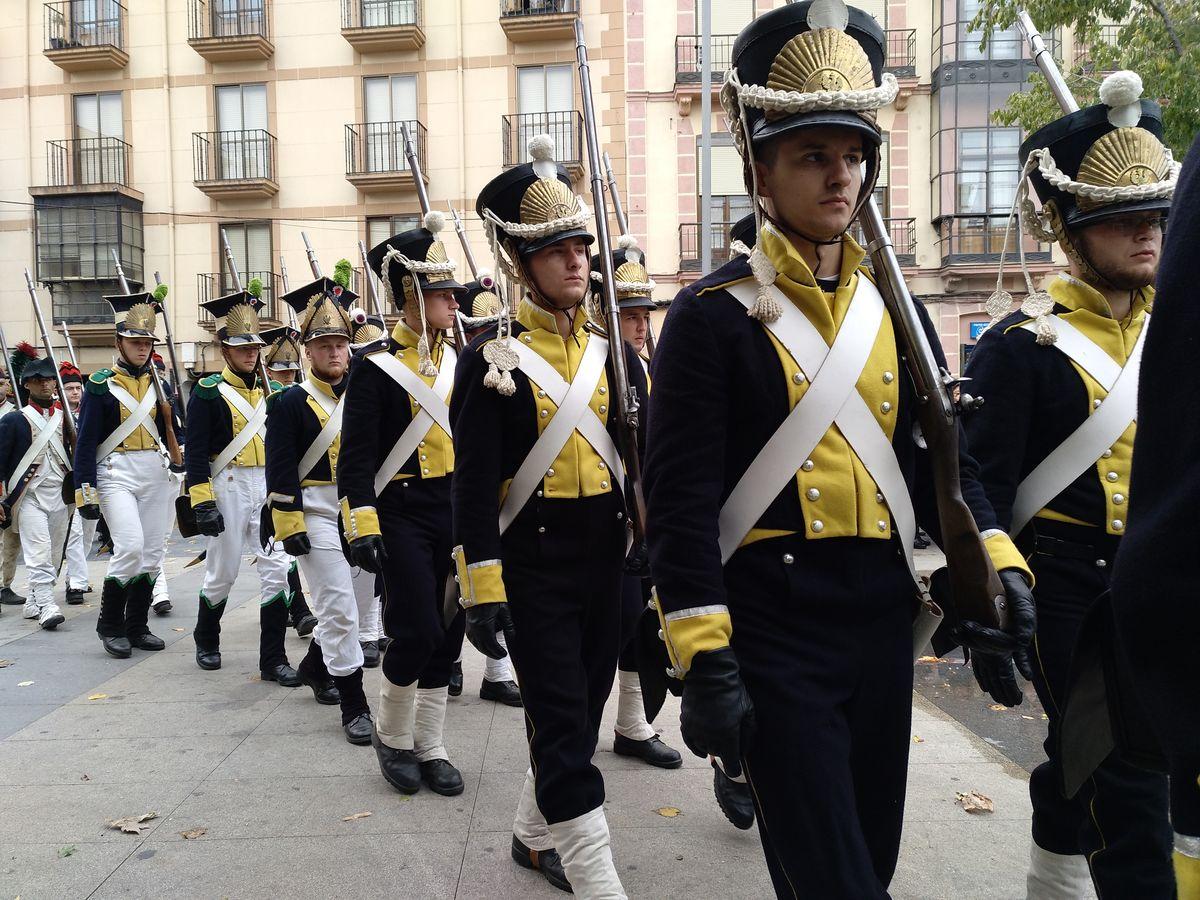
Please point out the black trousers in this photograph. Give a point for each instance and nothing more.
(634, 594)
(823, 634)
(1118, 820)
(415, 522)
(562, 572)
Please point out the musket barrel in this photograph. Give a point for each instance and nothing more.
(68, 416)
(618, 208)
(1045, 62)
(414, 165)
(231, 262)
(461, 231)
(371, 289)
(176, 368)
(313, 262)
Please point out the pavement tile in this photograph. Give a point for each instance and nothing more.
(112, 760)
(136, 720)
(79, 812)
(968, 858)
(41, 871)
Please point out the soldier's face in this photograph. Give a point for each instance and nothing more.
(74, 393)
(329, 356)
(560, 271)
(284, 376)
(135, 351)
(635, 326)
(242, 359)
(440, 307)
(811, 179)
(41, 390)
(1125, 249)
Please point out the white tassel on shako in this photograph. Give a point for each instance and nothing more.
(500, 357)
(434, 222)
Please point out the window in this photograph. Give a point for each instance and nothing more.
(385, 13)
(250, 243)
(95, 22)
(388, 101)
(243, 148)
(1002, 44)
(988, 169)
(381, 228)
(96, 156)
(235, 18)
(545, 104)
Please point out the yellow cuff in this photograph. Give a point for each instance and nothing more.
(362, 521)
(86, 494)
(691, 631)
(1187, 876)
(480, 582)
(287, 522)
(1005, 555)
(199, 493)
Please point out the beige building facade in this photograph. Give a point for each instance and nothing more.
(147, 126)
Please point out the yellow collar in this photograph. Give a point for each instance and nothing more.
(535, 318)
(1076, 295)
(238, 381)
(791, 265)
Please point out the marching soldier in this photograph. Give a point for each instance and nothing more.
(634, 736)
(10, 538)
(303, 447)
(394, 482)
(282, 357)
(83, 531)
(1055, 445)
(226, 480)
(33, 463)
(780, 529)
(539, 516)
(122, 470)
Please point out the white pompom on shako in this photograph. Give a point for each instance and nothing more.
(542, 151)
(629, 244)
(434, 221)
(486, 279)
(358, 316)
(1122, 92)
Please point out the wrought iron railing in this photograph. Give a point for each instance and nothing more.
(70, 24)
(903, 233)
(566, 128)
(1005, 47)
(378, 147)
(100, 160)
(380, 13)
(901, 51)
(233, 155)
(689, 244)
(967, 239)
(228, 19)
(689, 57)
(210, 285)
(513, 8)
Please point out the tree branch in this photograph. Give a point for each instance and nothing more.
(1157, 6)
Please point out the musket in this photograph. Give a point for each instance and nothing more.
(1044, 60)
(461, 231)
(164, 403)
(70, 432)
(70, 344)
(292, 320)
(237, 286)
(623, 224)
(371, 289)
(414, 166)
(176, 369)
(626, 396)
(313, 262)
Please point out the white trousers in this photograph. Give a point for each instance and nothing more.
(160, 592)
(240, 492)
(498, 669)
(370, 611)
(339, 594)
(45, 520)
(10, 550)
(134, 488)
(79, 544)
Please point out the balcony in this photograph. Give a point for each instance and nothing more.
(901, 59)
(689, 59)
(375, 160)
(86, 166)
(903, 233)
(210, 285)
(566, 128)
(977, 240)
(381, 26)
(1006, 57)
(689, 245)
(235, 164)
(225, 30)
(87, 37)
(525, 21)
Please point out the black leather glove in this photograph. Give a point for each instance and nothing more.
(297, 544)
(717, 717)
(90, 511)
(483, 621)
(637, 561)
(997, 654)
(368, 553)
(208, 518)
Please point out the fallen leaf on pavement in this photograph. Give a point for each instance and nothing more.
(928, 659)
(975, 802)
(177, 629)
(192, 833)
(358, 815)
(97, 696)
(1030, 718)
(133, 824)
(5, 663)
(64, 852)
(668, 812)
(917, 739)
(998, 707)
(24, 683)
(85, 777)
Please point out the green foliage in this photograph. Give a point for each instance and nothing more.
(255, 287)
(1160, 40)
(160, 292)
(342, 273)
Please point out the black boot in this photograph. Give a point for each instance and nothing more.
(111, 624)
(74, 597)
(272, 658)
(356, 714)
(302, 617)
(505, 692)
(651, 750)
(137, 611)
(545, 861)
(312, 673)
(9, 597)
(370, 652)
(208, 633)
(454, 688)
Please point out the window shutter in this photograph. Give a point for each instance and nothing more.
(229, 108)
(726, 171)
(112, 122)
(258, 248)
(404, 98)
(376, 100)
(728, 16)
(254, 106)
(531, 89)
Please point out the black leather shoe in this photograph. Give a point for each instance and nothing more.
(9, 597)
(324, 690)
(454, 688)
(358, 730)
(734, 799)
(370, 650)
(283, 674)
(162, 607)
(305, 625)
(384, 642)
(441, 777)
(651, 750)
(505, 692)
(545, 861)
(74, 597)
(117, 646)
(147, 641)
(400, 768)
(208, 659)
